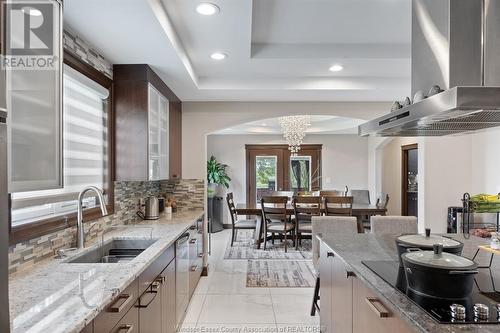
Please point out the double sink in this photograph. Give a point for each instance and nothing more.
(115, 250)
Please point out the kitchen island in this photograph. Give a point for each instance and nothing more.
(58, 296)
(351, 251)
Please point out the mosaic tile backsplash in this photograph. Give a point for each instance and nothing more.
(188, 193)
(80, 48)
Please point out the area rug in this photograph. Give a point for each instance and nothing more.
(280, 274)
(244, 248)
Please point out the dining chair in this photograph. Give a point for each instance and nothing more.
(382, 200)
(288, 194)
(394, 225)
(331, 193)
(275, 218)
(237, 223)
(338, 206)
(360, 196)
(324, 225)
(304, 207)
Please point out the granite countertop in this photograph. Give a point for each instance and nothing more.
(55, 296)
(353, 249)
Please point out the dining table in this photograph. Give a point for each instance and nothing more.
(358, 210)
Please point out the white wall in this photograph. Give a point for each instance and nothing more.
(344, 159)
(202, 118)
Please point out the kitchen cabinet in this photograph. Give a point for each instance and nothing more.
(150, 311)
(372, 315)
(129, 323)
(326, 289)
(347, 305)
(34, 104)
(157, 300)
(111, 316)
(168, 299)
(147, 124)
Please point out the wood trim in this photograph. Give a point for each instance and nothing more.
(39, 228)
(404, 176)
(280, 150)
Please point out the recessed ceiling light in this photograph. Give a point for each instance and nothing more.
(336, 68)
(207, 9)
(31, 11)
(218, 56)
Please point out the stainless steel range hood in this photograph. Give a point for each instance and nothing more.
(456, 45)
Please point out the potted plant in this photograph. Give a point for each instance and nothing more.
(216, 176)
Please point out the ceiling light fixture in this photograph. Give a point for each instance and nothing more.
(294, 130)
(336, 68)
(207, 9)
(218, 56)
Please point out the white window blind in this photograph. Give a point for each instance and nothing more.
(85, 151)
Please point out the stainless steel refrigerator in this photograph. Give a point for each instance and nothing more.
(4, 215)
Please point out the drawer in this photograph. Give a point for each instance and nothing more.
(149, 275)
(115, 311)
(129, 323)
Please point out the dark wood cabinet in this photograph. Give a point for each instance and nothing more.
(129, 323)
(139, 124)
(175, 121)
(107, 319)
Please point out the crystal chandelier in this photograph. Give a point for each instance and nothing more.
(294, 130)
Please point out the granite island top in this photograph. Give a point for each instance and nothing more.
(353, 249)
(55, 296)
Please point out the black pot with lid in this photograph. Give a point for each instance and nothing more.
(439, 274)
(426, 242)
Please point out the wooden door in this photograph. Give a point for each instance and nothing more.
(314, 154)
(370, 314)
(326, 289)
(409, 180)
(264, 171)
(341, 297)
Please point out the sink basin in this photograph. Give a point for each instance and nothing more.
(113, 251)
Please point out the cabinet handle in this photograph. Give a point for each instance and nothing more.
(350, 274)
(161, 279)
(193, 241)
(330, 254)
(154, 291)
(128, 328)
(383, 313)
(194, 268)
(200, 255)
(125, 298)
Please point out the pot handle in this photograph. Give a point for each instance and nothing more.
(140, 214)
(413, 249)
(462, 272)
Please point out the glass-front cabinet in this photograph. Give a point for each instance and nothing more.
(34, 98)
(158, 142)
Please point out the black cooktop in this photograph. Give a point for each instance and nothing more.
(485, 292)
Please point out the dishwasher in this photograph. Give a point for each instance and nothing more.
(182, 270)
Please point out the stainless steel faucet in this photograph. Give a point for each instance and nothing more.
(80, 234)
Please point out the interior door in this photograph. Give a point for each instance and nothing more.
(264, 172)
(303, 172)
(409, 180)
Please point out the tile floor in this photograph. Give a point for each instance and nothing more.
(223, 303)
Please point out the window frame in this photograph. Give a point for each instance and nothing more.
(32, 230)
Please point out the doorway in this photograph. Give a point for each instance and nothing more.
(271, 168)
(409, 180)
